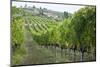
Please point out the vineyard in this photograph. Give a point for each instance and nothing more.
(37, 39)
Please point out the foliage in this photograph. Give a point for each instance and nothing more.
(77, 31)
(17, 36)
(83, 23)
(17, 30)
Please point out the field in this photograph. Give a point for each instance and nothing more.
(48, 36)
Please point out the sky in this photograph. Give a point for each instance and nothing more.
(55, 7)
(90, 2)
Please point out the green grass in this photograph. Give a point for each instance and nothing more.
(18, 55)
(37, 54)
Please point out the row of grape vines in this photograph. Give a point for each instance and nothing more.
(74, 35)
(52, 34)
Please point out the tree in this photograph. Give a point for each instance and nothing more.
(65, 14)
(33, 7)
(41, 11)
(83, 23)
(25, 6)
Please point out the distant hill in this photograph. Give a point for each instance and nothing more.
(45, 12)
